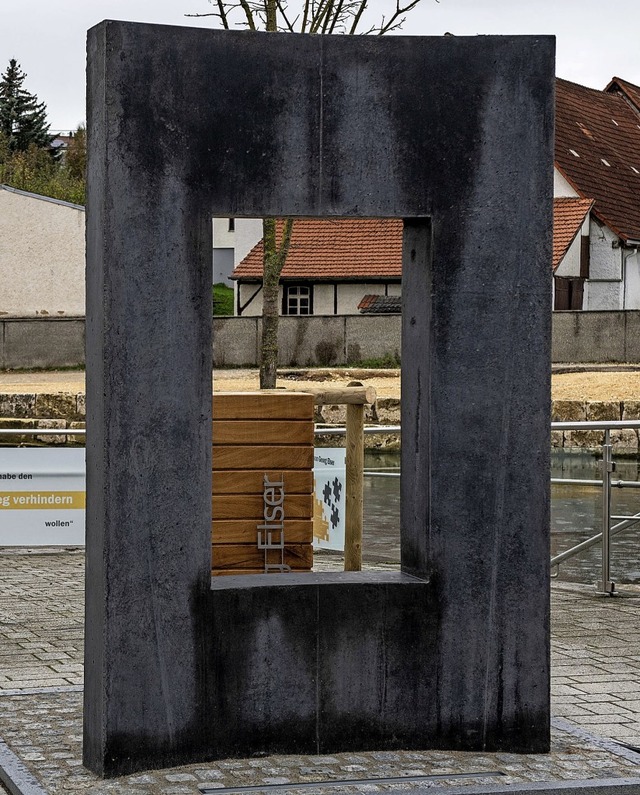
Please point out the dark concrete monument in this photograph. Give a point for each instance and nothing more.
(455, 136)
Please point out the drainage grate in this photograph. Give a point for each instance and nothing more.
(348, 782)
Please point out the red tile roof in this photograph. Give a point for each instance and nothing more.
(355, 249)
(365, 249)
(568, 216)
(381, 305)
(597, 149)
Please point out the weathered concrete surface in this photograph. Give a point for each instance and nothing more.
(300, 657)
(41, 342)
(452, 128)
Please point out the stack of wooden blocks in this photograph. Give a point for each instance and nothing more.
(262, 491)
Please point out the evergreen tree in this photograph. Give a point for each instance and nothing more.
(23, 120)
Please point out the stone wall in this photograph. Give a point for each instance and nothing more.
(27, 343)
(60, 410)
(67, 410)
(623, 441)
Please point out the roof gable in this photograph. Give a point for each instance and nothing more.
(568, 217)
(630, 92)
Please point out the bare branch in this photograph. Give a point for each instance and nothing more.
(222, 12)
(397, 19)
(318, 16)
(305, 16)
(329, 14)
(357, 16)
(337, 16)
(251, 23)
(290, 26)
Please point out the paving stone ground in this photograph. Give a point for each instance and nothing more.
(595, 684)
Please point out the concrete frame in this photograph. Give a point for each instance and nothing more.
(452, 134)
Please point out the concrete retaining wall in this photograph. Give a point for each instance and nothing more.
(612, 336)
(28, 343)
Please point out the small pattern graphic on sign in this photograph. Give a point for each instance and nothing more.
(331, 492)
(328, 518)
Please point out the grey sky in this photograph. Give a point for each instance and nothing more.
(595, 40)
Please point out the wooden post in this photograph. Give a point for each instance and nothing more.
(355, 484)
(355, 396)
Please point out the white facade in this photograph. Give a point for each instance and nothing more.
(561, 188)
(338, 298)
(42, 256)
(248, 232)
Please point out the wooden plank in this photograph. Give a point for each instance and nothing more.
(257, 457)
(245, 531)
(248, 556)
(265, 432)
(227, 572)
(265, 405)
(251, 506)
(237, 481)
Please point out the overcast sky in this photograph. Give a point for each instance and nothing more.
(595, 39)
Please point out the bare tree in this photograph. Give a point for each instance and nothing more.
(307, 16)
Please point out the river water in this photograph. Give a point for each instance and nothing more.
(576, 514)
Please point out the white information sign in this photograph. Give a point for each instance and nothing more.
(329, 472)
(42, 496)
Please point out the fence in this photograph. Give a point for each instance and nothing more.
(357, 396)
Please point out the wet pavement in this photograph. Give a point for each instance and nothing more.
(595, 692)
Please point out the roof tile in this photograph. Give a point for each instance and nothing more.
(597, 148)
(345, 248)
(568, 216)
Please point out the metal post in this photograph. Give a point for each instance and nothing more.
(606, 586)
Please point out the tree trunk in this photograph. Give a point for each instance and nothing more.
(273, 261)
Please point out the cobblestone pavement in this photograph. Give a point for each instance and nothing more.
(595, 683)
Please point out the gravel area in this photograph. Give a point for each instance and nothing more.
(599, 383)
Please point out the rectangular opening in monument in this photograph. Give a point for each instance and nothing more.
(265, 516)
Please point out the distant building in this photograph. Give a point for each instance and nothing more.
(332, 264)
(597, 158)
(42, 258)
(340, 267)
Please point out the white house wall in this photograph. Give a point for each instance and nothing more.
(561, 187)
(248, 233)
(604, 288)
(632, 280)
(42, 256)
(223, 237)
(349, 296)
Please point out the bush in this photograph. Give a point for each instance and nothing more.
(222, 299)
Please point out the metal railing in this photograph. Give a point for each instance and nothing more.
(605, 586)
